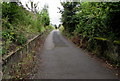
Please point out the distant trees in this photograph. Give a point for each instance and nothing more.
(55, 26)
(59, 25)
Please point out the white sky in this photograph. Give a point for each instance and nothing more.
(53, 10)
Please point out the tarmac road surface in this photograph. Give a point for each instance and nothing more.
(61, 59)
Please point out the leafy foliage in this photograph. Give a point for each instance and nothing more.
(19, 24)
(94, 26)
(94, 19)
(68, 16)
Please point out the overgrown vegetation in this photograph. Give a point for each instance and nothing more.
(20, 70)
(95, 19)
(94, 23)
(20, 24)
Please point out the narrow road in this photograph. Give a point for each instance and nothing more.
(61, 59)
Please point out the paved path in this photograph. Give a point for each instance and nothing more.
(62, 60)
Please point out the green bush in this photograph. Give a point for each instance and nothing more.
(93, 19)
(21, 39)
(99, 21)
(19, 24)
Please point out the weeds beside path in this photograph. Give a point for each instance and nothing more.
(27, 66)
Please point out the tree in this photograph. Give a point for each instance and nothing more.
(44, 15)
(93, 19)
(68, 15)
(33, 6)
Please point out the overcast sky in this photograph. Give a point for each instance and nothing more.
(53, 9)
